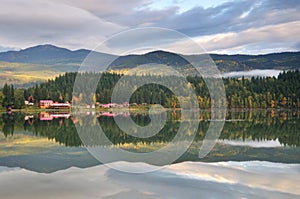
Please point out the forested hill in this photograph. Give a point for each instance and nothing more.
(225, 63)
(259, 92)
(284, 60)
(62, 59)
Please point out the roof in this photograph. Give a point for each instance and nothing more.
(46, 101)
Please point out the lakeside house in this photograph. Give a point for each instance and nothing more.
(45, 103)
(114, 105)
(49, 104)
(26, 102)
(109, 105)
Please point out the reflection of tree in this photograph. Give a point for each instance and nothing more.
(8, 124)
(265, 127)
(256, 125)
(62, 131)
(117, 136)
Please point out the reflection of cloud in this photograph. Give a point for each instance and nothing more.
(184, 180)
(254, 144)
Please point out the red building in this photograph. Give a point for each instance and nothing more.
(45, 103)
(53, 105)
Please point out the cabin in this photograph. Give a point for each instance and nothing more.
(28, 103)
(45, 103)
(49, 104)
(110, 105)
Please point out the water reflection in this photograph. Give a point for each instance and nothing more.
(242, 130)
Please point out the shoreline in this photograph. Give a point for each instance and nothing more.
(142, 108)
(136, 109)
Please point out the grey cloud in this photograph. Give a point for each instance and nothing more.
(228, 17)
(198, 21)
(39, 22)
(78, 24)
(130, 13)
(279, 37)
(7, 48)
(108, 8)
(297, 45)
(141, 38)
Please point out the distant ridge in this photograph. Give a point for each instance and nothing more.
(46, 54)
(225, 63)
(69, 60)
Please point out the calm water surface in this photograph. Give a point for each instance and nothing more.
(48, 142)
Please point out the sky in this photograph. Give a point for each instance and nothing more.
(219, 26)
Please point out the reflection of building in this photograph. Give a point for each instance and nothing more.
(44, 116)
(111, 114)
(29, 120)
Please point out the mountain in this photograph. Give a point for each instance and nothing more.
(61, 57)
(281, 61)
(225, 63)
(157, 57)
(46, 54)
(42, 62)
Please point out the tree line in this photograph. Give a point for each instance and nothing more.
(255, 92)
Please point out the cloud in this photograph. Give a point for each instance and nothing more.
(277, 37)
(229, 25)
(35, 22)
(107, 8)
(297, 46)
(133, 13)
(237, 26)
(252, 179)
(6, 48)
(233, 17)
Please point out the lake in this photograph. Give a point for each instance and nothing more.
(49, 142)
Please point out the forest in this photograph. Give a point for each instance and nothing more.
(255, 92)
